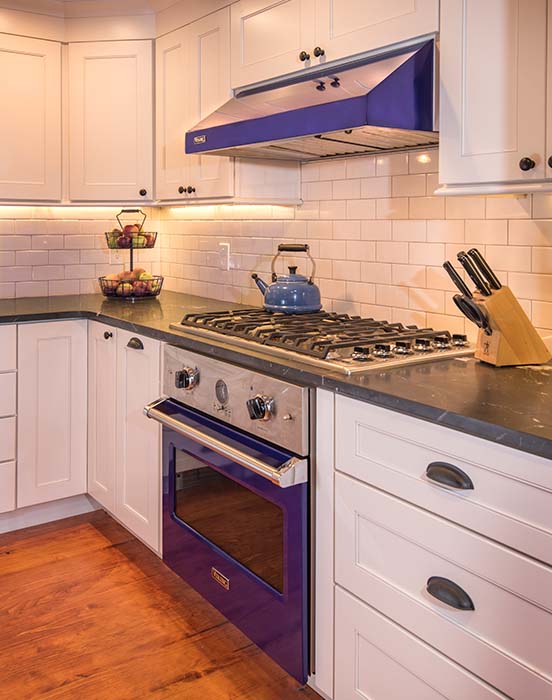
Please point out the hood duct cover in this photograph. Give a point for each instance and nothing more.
(375, 104)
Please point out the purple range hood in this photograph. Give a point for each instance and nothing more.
(382, 102)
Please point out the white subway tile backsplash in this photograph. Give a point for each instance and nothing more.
(378, 235)
(409, 185)
(392, 208)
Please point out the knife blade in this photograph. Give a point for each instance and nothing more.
(474, 274)
(485, 268)
(458, 281)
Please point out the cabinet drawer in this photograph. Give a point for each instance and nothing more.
(387, 551)
(8, 348)
(8, 383)
(7, 439)
(7, 487)
(511, 498)
(377, 659)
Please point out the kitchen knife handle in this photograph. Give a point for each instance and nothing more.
(485, 268)
(458, 281)
(473, 273)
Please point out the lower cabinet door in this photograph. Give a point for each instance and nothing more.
(377, 659)
(138, 473)
(52, 391)
(102, 417)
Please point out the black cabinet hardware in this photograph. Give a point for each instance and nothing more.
(181, 190)
(190, 189)
(526, 164)
(304, 56)
(449, 475)
(135, 344)
(143, 193)
(321, 86)
(449, 593)
(108, 335)
(335, 82)
(318, 51)
(550, 162)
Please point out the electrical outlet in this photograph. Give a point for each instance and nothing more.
(115, 256)
(224, 256)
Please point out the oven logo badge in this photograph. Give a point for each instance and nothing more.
(220, 578)
(200, 139)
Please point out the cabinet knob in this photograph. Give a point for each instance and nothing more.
(304, 56)
(321, 86)
(108, 335)
(143, 193)
(335, 82)
(550, 162)
(190, 189)
(181, 190)
(318, 51)
(526, 164)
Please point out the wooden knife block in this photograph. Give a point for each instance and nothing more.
(514, 339)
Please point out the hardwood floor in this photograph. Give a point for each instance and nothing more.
(89, 613)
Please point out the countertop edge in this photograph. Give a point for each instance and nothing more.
(507, 437)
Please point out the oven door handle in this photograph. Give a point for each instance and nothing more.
(292, 472)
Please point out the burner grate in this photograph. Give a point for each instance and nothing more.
(315, 334)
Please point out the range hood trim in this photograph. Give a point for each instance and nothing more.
(404, 100)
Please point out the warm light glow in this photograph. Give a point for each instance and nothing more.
(423, 158)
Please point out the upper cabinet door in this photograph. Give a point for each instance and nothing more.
(110, 121)
(492, 98)
(30, 119)
(347, 27)
(268, 36)
(208, 77)
(172, 86)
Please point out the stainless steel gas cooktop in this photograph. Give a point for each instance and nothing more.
(337, 342)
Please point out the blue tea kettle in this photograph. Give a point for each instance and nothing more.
(293, 293)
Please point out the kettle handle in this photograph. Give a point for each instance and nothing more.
(293, 248)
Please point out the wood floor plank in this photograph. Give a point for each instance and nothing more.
(88, 612)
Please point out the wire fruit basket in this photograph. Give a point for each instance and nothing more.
(139, 287)
(135, 283)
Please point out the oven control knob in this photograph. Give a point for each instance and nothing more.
(260, 407)
(186, 378)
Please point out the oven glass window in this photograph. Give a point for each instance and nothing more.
(243, 524)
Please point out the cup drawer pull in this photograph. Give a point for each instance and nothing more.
(449, 593)
(449, 475)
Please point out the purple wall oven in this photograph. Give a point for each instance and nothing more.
(235, 506)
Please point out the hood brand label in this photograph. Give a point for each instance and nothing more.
(200, 139)
(220, 578)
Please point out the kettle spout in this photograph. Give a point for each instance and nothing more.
(263, 286)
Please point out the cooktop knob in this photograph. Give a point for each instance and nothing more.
(382, 350)
(403, 347)
(423, 345)
(459, 339)
(186, 378)
(442, 342)
(260, 407)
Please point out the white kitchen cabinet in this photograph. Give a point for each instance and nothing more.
(30, 119)
(124, 469)
(138, 451)
(379, 660)
(347, 27)
(102, 417)
(52, 415)
(111, 121)
(193, 79)
(269, 37)
(492, 94)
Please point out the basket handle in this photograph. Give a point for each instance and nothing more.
(131, 211)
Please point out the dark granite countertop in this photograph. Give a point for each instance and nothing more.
(510, 406)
